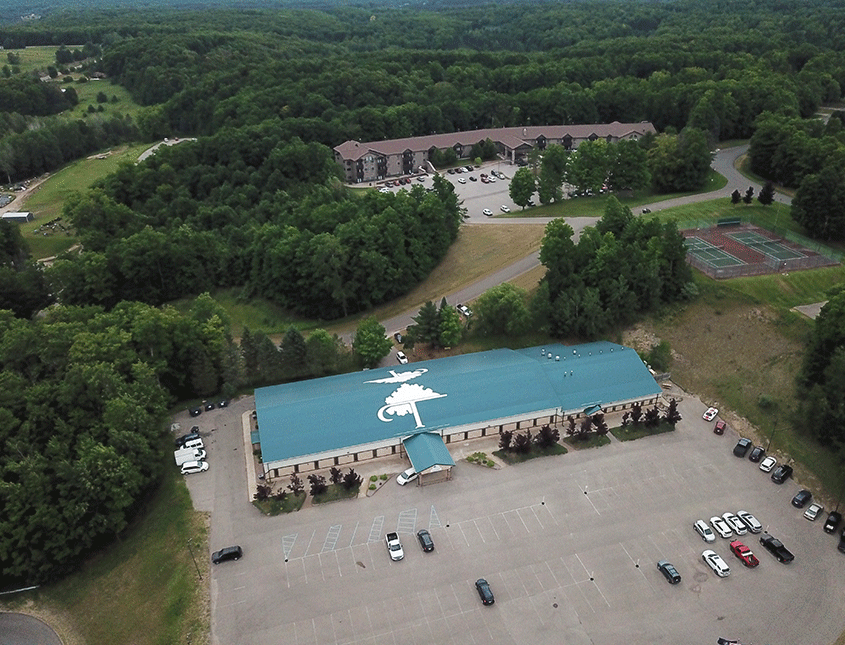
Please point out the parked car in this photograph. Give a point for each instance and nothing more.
(832, 521)
(461, 180)
(801, 498)
(466, 311)
(719, 428)
(406, 476)
(181, 441)
(484, 591)
(704, 531)
(715, 562)
(209, 405)
(669, 571)
(813, 511)
(487, 212)
(781, 474)
(710, 414)
(737, 525)
(768, 464)
(841, 546)
(195, 412)
(223, 404)
(228, 553)
(425, 540)
(192, 467)
(745, 555)
(504, 209)
(756, 454)
(398, 337)
(721, 527)
(742, 447)
(400, 356)
(473, 178)
(750, 521)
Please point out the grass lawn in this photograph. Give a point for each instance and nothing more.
(631, 431)
(148, 588)
(46, 200)
(592, 441)
(517, 458)
(37, 57)
(87, 93)
(334, 493)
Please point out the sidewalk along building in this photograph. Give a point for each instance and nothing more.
(420, 408)
(375, 160)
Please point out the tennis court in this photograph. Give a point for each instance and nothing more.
(710, 254)
(772, 248)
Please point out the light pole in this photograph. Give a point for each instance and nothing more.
(194, 559)
(772, 435)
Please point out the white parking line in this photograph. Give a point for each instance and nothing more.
(354, 531)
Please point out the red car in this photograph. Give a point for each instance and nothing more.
(719, 428)
(744, 554)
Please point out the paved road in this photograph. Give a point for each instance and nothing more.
(477, 196)
(20, 629)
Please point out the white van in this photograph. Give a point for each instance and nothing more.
(194, 443)
(188, 454)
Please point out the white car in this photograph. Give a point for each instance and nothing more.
(400, 356)
(715, 562)
(505, 209)
(813, 511)
(767, 464)
(710, 414)
(487, 212)
(466, 311)
(384, 190)
(191, 467)
(406, 476)
(735, 523)
(704, 531)
(491, 179)
(461, 180)
(750, 521)
(721, 526)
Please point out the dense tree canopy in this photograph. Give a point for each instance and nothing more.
(617, 270)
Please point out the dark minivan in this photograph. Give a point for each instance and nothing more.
(781, 474)
(229, 553)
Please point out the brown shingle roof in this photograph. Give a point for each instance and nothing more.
(510, 137)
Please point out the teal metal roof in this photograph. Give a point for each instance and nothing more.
(332, 413)
(426, 449)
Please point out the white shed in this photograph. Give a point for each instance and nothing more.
(20, 216)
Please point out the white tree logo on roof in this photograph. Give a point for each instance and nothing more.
(404, 399)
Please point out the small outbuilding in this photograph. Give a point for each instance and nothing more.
(18, 216)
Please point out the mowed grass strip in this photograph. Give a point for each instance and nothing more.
(47, 200)
(145, 589)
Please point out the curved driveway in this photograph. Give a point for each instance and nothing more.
(20, 629)
(724, 163)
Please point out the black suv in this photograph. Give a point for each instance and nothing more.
(484, 591)
(181, 441)
(668, 570)
(757, 454)
(229, 553)
(781, 474)
(742, 447)
(832, 522)
(426, 542)
(801, 498)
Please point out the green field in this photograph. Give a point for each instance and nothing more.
(37, 58)
(47, 199)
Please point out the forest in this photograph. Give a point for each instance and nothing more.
(256, 202)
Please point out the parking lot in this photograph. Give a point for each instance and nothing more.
(476, 195)
(568, 544)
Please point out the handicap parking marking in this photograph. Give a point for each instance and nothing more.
(331, 538)
(287, 544)
(407, 521)
(433, 519)
(375, 529)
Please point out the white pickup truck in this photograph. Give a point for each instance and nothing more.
(394, 546)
